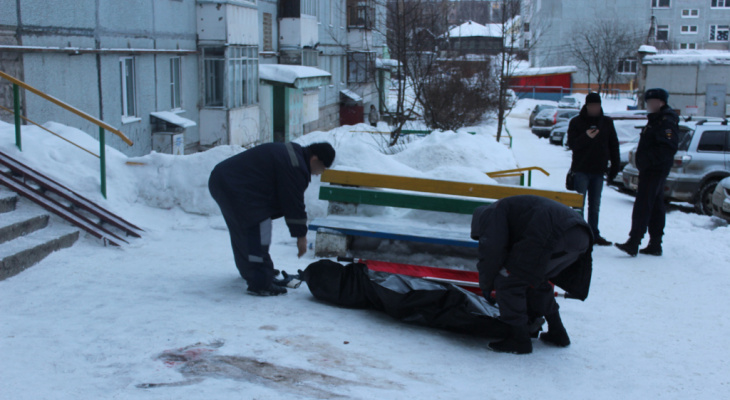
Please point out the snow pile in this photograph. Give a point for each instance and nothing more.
(166, 181)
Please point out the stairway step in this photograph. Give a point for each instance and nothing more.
(26, 251)
(8, 200)
(25, 219)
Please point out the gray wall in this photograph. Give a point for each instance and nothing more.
(687, 84)
(134, 24)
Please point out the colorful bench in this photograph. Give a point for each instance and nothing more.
(347, 190)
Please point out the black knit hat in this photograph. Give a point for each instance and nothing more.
(324, 151)
(656, 93)
(593, 97)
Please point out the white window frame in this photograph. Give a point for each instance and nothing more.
(656, 4)
(689, 13)
(689, 30)
(176, 98)
(717, 27)
(656, 34)
(720, 4)
(631, 62)
(123, 72)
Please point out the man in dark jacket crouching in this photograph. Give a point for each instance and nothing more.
(524, 242)
(257, 186)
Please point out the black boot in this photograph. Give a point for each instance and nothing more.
(653, 249)
(630, 247)
(601, 241)
(518, 342)
(272, 290)
(556, 334)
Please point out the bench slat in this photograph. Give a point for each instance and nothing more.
(353, 227)
(484, 191)
(401, 200)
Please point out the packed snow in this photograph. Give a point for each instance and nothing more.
(289, 73)
(168, 317)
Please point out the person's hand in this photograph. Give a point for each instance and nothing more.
(301, 246)
(592, 133)
(612, 174)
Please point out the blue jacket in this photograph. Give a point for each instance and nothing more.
(268, 181)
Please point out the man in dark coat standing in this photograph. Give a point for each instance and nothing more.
(654, 159)
(524, 242)
(257, 186)
(594, 142)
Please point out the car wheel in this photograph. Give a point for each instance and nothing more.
(703, 205)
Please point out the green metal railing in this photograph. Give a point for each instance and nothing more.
(103, 127)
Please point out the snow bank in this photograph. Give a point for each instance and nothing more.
(167, 181)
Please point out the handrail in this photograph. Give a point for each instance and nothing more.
(51, 132)
(509, 171)
(67, 107)
(103, 126)
(518, 172)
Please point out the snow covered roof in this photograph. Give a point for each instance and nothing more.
(352, 95)
(386, 63)
(690, 57)
(473, 29)
(645, 48)
(291, 74)
(565, 69)
(173, 118)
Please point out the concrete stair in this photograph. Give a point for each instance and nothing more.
(28, 234)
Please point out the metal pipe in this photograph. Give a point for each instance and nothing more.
(16, 106)
(102, 160)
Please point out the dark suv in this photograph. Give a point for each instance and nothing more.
(702, 161)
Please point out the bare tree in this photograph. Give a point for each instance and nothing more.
(598, 46)
(516, 44)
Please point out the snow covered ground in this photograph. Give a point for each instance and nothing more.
(92, 322)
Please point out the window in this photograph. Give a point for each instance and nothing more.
(689, 29)
(309, 7)
(719, 33)
(688, 46)
(175, 97)
(243, 67)
(310, 57)
(712, 141)
(268, 32)
(361, 14)
(627, 65)
(527, 43)
(360, 67)
(690, 13)
(526, 27)
(662, 33)
(214, 63)
(661, 3)
(720, 3)
(129, 88)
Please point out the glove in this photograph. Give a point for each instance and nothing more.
(612, 174)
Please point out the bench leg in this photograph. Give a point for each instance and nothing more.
(331, 244)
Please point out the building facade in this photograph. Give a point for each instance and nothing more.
(192, 68)
(669, 25)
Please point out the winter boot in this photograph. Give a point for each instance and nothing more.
(518, 341)
(556, 334)
(601, 241)
(630, 247)
(272, 290)
(653, 249)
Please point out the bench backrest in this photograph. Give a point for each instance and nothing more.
(483, 191)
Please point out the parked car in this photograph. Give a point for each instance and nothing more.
(702, 161)
(547, 118)
(568, 102)
(537, 109)
(721, 200)
(559, 133)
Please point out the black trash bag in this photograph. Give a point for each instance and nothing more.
(408, 299)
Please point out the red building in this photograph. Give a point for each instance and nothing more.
(550, 83)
